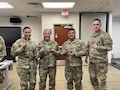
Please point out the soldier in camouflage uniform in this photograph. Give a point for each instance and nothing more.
(99, 44)
(47, 50)
(2, 54)
(73, 49)
(25, 48)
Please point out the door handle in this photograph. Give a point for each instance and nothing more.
(56, 35)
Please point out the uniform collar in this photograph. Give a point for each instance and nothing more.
(96, 34)
(72, 40)
(25, 39)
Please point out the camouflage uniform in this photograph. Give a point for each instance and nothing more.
(2, 54)
(73, 65)
(47, 63)
(98, 59)
(26, 66)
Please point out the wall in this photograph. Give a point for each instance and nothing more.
(49, 19)
(116, 37)
(33, 22)
(86, 24)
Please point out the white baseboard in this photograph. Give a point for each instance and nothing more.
(61, 62)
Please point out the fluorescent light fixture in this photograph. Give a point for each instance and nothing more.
(4, 5)
(56, 5)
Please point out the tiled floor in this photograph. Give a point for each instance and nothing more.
(113, 80)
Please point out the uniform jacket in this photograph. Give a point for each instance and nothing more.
(80, 50)
(2, 47)
(26, 57)
(47, 59)
(103, 40)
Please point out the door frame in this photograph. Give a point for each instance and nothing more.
(67, 26)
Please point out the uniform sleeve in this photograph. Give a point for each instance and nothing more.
(87, 53)
(34, 50)
(81, 50)
(33, 62)
(16, 49)
(63, 48)
(107, 44)
(38, 54)
(58, 52)
(37, 50)
(2, 48)
(2, 43)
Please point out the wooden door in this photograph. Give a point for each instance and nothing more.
(60, 36)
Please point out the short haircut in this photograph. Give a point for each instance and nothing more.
(46, 30)
(71, 29)
(97, 20)
(26, 28)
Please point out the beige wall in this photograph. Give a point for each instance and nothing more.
(49, 19)
(86, 24)
(33, 22)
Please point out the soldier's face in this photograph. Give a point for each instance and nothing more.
(46, 35)
(96, 26)
(71, 34)
(27, 33)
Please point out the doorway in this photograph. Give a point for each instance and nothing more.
(60, 36)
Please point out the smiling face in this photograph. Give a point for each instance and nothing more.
(71, 34)
(46, 35)
(27, 33)
(96, 25)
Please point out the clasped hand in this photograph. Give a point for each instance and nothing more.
(42, 50)
(95, 46)
(71, 52)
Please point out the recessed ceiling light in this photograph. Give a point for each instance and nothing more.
(58, 4)
(4, 5)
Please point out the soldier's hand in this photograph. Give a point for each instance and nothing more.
(64, 52)
(42, 50)
(53, 51)
(25, 45)
(95, 46)
(72, 53)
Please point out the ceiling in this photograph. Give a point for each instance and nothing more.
(23, 9)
